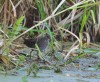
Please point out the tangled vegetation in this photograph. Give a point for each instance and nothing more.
(73, 27)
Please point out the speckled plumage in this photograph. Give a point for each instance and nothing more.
(42, 42)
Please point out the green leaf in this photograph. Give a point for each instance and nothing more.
(59, 56)
(41, 8)
(17, 26)
(40, 53)
(90, 50)
(22, 57)
(85, 18)
(24, 79)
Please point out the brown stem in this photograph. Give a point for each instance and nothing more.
(4, 28)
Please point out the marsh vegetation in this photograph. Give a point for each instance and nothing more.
(49, 35)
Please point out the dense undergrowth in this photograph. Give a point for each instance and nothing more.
(64, 21)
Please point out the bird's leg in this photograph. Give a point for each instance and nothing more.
(31, 53)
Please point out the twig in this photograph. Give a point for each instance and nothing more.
(5, 16)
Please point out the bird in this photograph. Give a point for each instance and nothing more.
(42, 42)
